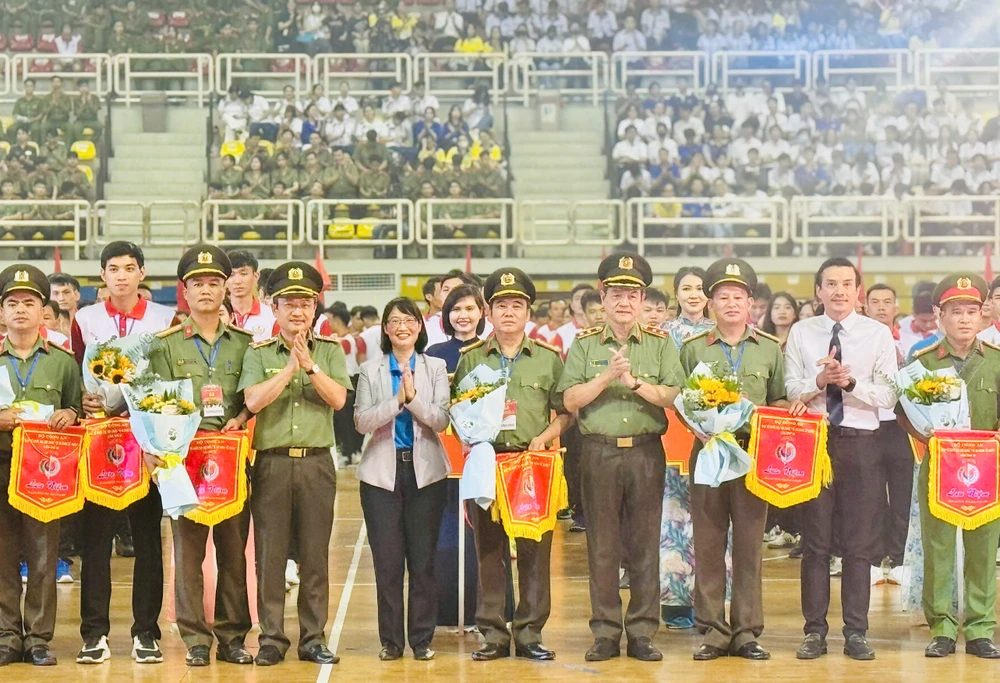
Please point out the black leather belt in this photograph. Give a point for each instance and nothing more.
(294, 452)
(836, 430)
(404, 454)
(625, 441)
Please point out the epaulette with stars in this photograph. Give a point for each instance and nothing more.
(703, 333)
(588, 332)
(932, 347)
(765, 335)
(264, 342)
(656, 332)
(170, 330)
(476, 345)
(234, 328)
(333, 339)
(545, 345)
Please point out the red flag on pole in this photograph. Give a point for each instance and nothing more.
(468, 259)
(988, 272)
(57, 266)
(861, 272)
(327, 284)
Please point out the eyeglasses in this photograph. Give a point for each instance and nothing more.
(409, 321)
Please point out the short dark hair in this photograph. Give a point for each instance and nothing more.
(64, 279)
(238, 258)
(405, 306)
(431, 284)
(837, 262)
(882, 287)
(340, 313)
(456, 295)
(467, 278)
(923, 304)
(265, 275)
(579, 288)
(653, 294)
(56, 311)
(370, 312)
(994, 285)
(761, 291)
(116, 249)
(356, 311)
(593, 296)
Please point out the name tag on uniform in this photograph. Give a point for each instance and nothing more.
(270, 372)
(599, 363)
(509, 422)
(211, 401)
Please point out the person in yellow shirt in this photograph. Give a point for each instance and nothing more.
(485, 143)
(472, 42)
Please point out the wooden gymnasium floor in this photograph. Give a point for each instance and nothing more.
(354, 634)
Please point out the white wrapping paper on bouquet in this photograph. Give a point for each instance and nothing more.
(477, 424)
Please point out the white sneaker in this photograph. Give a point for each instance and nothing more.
(773, 533)
(145, 649)
(878, 576)
(998, 557)
(899, 576)
(836, 566)
(784, 540)
(94, 651)
(292, 573)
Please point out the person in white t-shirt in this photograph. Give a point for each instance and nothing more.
(578, 320)
(371, 337)
(547, 332)
(248, 313)
(991, 334)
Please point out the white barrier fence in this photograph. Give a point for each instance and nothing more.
(348, 222)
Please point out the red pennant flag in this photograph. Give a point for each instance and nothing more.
(861, 272)
(468, 259)
(57, 267)
(988, 272)
(327, 284)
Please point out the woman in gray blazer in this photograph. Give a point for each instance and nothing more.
(402, 401)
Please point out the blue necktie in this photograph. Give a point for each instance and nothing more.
(834, 394)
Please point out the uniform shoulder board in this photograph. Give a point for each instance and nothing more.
(991, 346)
(332, 338)
(932, 347)
(656, 332)
(170, 330)
(263, 342)
(765, 335)
(53, 345)
(466, 349)
(234, 328)
(588, 332)
(703, 333)
(545, 345)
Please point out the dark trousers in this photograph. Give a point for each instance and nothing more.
(38, 543)
(571, 439)
(622, 491)
(403, 526)
(348, 439)
(293, 498)
(712, 510)
(68, 545)
(534, 595)
(896, 479)
(232, 605)
(846, 511)
(97, 528)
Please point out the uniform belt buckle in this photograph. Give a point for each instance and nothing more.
(625, 442)
(297, 452)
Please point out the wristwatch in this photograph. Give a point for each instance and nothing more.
(637, 385)
(850, 385)
(313, 370)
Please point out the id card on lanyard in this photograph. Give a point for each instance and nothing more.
(211, 393)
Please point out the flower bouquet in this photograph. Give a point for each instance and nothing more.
(30, 411)
(933, 399)
(477, 415)
(715, 408)
(108, 365)
(164, 420)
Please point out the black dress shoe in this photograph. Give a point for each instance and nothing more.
(857, 648)
(423, 654)
(754, 651)
(40, 655)
(268, 655)
(535, 651)
(941, 646)
(982, 648)
(234, 653)
(9, 655)
(390, 653)
(643, 650)
(491, 651)
(198, 655)
(319, 654)
(813, 647)
(707, 653)
(602, 650)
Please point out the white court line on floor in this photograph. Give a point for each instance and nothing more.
(345, 600)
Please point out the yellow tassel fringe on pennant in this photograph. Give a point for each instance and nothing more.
(822, 471)
(224, 512)
(42, 514)
(946, 514)
(558, 498)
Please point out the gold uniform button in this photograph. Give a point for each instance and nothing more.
(189, 374)
(296, 404)
(48, 387)
(295, 426)
(180, 362)
(624, 419)
(536, 385)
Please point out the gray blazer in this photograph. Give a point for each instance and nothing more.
(375, 411)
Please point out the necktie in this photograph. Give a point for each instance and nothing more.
(834, 394)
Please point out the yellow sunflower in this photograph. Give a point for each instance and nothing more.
(116, 376)
(97, 368)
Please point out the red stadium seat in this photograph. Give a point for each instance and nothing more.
(180, 19)
(282, 66)
(157, 19)
(22, 43)
(46, 42)
(42, 66)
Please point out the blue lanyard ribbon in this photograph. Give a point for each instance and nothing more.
(729, 356)
(503, 364)
(23, 383)
(209, 360)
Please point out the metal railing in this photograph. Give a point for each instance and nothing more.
(278, 70)
(863, 219)
(950, 223)
(781, 68)
(968, 70)
(526, 75)
(390, 225)
(679, 223)
(663, 67)
(134, 70)
(266, 223)
(594, 222)
(456, 74)
(384, 68)
(34, 223)
(460, 222)
(893, 66)
(44, 66)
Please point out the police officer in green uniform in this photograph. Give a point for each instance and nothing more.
(48, 374)
(29, 110)
(293, 382)
(533, 369)
(732, 347)
(960, 298)
(210, 354)
(618, 379)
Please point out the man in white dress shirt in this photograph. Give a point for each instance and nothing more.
(840, 364)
